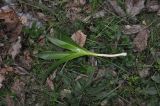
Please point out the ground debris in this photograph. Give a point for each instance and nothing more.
(117, 9)
(15, 48)
(134, 7)
(144, 72)
(141, 40)
(12, 25)
(10, 100)
(131, 29)
(152, 5)
(79, 37)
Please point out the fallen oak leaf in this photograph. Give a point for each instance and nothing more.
(134, 7)
(79, 37)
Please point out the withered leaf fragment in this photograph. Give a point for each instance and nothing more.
(117, 9)
(79, 37)
(140, 41)
(134, 7)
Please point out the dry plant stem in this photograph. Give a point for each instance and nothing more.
(111, 55)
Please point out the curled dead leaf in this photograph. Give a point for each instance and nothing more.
(79, 37)
(134, 7)
(140, 41)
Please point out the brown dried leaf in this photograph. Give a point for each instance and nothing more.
(18, 87)
(74, 9)
(11, 21)
(131, 29)
(50, 83)
(152, 5)
(15, 48)
(9, 16)
(140, 41)
(20, 70)
(134, 7)
(6, 70)
(79, 37)
(50, 80)
(25, 61)
(118, 10)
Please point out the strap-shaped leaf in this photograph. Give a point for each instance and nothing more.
(50, 55)
(61, 61)
(64, 45)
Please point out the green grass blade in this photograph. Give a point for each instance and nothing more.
(50, 55)
(64, 45)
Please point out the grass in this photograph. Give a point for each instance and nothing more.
(104, 36)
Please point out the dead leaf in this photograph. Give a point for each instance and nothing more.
(50, 80)
(2, 78)
(25, 61)
(10, 101)
(18, 88)
(6, 70)
(144, 72)
(64, 93)
(79, 37)
(79, 2)
(118, 10)
(152, 5)
(134, 7)
(140, 41)
(42, 16)
(131, 29)
(41, 40)
(50, 83)
(74, 9)
(15, 48)
(11, 22)
(20, 70)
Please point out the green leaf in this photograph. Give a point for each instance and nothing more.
(61, 61)
(64, 45)
(50, 55)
